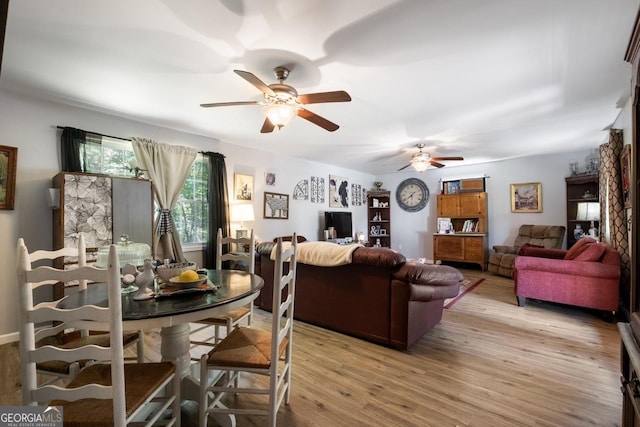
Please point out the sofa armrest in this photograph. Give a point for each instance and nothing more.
(429, 282)
(567, 267)
(534, 251)
(265, 248)
(502, 249)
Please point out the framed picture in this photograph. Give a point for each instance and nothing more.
(243, 187)
(276, 206)
(338, 192)
(270, 178)
(526, 197)
(8, 162)
(444, 225)
(625, 168)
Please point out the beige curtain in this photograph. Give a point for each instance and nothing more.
(613, 224)
(167, 167)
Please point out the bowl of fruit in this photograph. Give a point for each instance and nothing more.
(174, 269)
(188, 279)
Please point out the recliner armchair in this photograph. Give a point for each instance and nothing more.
(547, 236)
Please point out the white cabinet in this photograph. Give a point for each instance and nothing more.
(102, 208)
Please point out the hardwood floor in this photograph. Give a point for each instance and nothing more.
(488, 363)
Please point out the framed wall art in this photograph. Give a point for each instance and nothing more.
(625, 168)
(8, 163)
(338, 192)
(243, 187)
(276, 206)
(270, 178)
(317, 189)
(526, 198)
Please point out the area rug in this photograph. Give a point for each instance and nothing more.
(467, 286)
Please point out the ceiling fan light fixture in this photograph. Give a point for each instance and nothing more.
(280, 114)
(421, 165)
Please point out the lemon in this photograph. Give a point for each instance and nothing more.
(188, 276)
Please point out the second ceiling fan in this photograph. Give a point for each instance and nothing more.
(421, 160)
(282, 102)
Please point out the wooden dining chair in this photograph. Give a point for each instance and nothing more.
(108, 391)
(233, 318)
(255, 351)
(56, 370)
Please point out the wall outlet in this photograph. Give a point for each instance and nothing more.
(399, 246)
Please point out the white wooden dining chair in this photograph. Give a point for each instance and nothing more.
(107, 392)
(233, 318)
(255, 351)
(56, 370)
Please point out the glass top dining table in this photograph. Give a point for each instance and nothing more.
(234, 289)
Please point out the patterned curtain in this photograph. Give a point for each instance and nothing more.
(613, 223)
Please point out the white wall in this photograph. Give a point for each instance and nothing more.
(412, 232)
(30, 125)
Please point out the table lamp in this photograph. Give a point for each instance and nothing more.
(589, 211)
(241, 212)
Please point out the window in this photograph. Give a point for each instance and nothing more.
(191, 211)
(112, 157)
(109, 156)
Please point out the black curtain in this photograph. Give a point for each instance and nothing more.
(218, 200)
(71, 146)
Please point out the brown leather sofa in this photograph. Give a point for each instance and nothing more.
(379, 297)
(547, 236)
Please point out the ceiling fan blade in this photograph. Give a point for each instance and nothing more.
(317, 120)
(317, 98)
(229, 104)
(404, 167)
(436, 164)
(251, 78)
(267, 126)
(447, 158)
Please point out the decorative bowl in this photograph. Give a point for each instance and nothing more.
(167, 271)
(175, 281)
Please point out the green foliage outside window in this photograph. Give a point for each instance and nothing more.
(190, 214)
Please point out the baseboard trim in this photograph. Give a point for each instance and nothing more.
(9, 338)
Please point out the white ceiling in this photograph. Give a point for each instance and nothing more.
(487, 80)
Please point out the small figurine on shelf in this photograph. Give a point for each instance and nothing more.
(578, 232)
(378, 185)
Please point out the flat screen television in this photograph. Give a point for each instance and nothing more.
(341, 221)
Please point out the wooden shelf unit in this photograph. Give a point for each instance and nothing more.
(379, 218)
(463, 246)
(580, 188)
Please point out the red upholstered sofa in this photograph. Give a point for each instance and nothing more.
(587, 275)
(378, 296)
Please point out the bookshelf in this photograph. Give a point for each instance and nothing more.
(462, 222)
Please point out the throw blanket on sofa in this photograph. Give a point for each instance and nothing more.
(323, 254)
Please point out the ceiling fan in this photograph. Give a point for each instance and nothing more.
(282, 102)
(420, 161)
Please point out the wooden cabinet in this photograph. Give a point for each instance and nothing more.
(582, 201)
(468, 241)
(460, 248)
(462, 207)
(102, 209)
(379, 218)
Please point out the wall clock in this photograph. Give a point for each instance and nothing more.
(412, 195)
